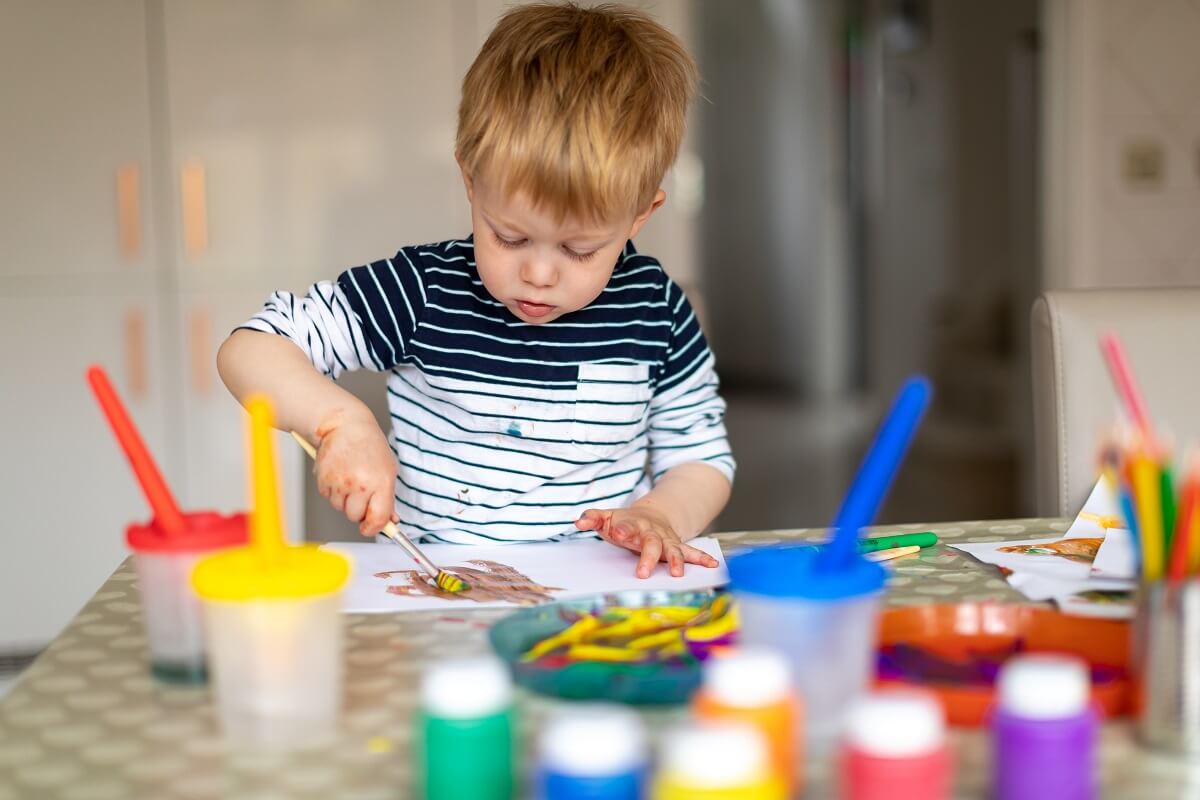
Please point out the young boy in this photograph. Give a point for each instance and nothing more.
(547, 381)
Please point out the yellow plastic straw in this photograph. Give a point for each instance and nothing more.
(266, 526)
(1146, 484)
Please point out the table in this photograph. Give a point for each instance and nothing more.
(87, 722)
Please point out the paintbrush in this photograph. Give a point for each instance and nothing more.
(446, 581)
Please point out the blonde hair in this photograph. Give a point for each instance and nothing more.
(581, 109)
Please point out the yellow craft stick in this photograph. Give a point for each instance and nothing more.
(575, 633)
(1144, 475)
(266, 526)
(895, 552)
(599, 652)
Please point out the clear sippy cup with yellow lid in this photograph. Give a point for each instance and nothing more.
(272, 614)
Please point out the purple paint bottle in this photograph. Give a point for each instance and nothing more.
(1044, 730)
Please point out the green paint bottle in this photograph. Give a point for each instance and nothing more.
(465, 732)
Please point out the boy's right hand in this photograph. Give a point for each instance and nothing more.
(356, 472)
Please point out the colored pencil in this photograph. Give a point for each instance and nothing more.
(892, 552)
(1122, 375)
(1181, 547)
(1148, 504)
(1166, 493)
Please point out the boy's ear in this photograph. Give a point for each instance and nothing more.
(660, 197)
(468, 182)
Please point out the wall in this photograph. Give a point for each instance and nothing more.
(1122, 143)
(774, 225)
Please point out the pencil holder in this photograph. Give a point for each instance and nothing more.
(1166, 664)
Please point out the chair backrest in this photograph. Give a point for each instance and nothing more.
(1074, 402)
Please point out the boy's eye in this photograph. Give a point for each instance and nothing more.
(577, 255)
(500, 240)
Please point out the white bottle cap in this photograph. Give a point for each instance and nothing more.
(715, 755)
(466, 688)
(594, 741)
(896, 723)
(749, 677)
(1045, 686)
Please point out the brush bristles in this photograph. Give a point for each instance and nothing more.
(451, 583)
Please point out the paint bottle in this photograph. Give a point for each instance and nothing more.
(171, 610)
(465, 736)
(717, 761)
(754, 685)
(1044, 730)
(894, 748)
(592, 752)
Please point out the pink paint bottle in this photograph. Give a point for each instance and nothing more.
(894, 748)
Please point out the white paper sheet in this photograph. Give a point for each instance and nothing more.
(1075, 586)
(572, 569)
(1076, 596)
(1050, 566)
(1101, 516)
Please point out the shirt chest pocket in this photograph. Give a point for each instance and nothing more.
(611, 401)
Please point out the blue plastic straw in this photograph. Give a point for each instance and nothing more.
(876, 472)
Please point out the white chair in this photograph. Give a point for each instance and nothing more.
(1074, 402)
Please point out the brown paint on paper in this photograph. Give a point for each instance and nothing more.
(491, 581)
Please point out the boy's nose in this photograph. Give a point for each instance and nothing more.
(540, 273)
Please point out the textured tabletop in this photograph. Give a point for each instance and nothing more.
(86, 721)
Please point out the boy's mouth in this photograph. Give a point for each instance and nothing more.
(534, 309)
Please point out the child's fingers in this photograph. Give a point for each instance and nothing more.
(694, 555)
(590, 520)
(652, 548)
(379, 512)
(674, 557)
(336, 498)
(356, 506)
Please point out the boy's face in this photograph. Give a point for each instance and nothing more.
(538, 267)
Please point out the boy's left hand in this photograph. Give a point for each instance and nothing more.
(646, 531)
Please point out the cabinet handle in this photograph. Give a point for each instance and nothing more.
(135, 353)
(203, 358)
(195, 209)
(129, 215)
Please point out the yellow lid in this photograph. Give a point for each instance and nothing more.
(269, 568)
(291, 573)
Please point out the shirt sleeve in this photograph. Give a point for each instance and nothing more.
(687, 415)
(364, 320)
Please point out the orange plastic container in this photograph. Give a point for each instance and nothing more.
(954, 651)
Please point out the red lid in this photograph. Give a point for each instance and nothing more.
(203, 531)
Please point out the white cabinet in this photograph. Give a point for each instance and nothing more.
(75, 140)
(67, 490)
(212, 426)
(322, 133)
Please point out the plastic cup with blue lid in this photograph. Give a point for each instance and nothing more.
(823, 621)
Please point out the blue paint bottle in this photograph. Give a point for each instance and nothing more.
(592, 752)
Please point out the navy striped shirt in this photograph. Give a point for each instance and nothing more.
(506, 431)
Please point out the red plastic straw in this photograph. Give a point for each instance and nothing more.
(1127, 387)
(162, 502)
